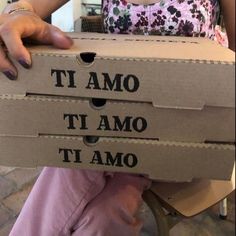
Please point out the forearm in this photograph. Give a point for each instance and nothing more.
(42, 8)
(228, 10)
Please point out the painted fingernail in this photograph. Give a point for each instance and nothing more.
(69, 39)
(24, 63)
(10, 75)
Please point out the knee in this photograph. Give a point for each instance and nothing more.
(106, 220)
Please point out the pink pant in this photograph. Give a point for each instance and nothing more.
(82, 203)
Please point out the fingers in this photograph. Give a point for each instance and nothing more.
(16, 48)
(14, 28)
(49, 34)
(59, 39)
(6, 67)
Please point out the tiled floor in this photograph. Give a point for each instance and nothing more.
(205, 224)
(16, 183)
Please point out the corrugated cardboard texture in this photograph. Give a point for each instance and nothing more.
(171, 72)
(31, 116)
(182, 87)
(170, 161)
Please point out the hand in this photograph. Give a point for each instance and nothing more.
(25, 24)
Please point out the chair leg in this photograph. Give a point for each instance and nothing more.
(157, 210)
(223, 209)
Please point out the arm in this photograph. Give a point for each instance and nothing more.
(42, 8)
(16, 24)
(228, 10)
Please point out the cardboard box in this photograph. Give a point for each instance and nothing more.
(35, 115)
(169, 72)
(182, 87)
(169, 161)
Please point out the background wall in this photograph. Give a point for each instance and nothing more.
(2, 4)
(65, 17)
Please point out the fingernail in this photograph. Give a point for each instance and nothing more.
(10, 75)
(24, 63)
(69, 39)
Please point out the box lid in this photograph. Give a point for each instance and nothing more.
(167, 161)
(173, 72)
(34, 115)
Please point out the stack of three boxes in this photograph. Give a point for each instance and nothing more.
(160, 106)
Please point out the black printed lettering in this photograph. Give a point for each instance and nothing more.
(118, 83)
(77, 156)
(131, 83)
(58, 74)
(69, 154)
(65, 154)
(125, 126)
(139, 124)
(114, 161)
(104, 123)
(83, 121)
(71, 74)
(118, 160)
(62, 75)
(97, 158)
(114, 85)
(93, 81)
(130, 160)
(73, 117)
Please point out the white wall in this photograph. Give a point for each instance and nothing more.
(65, 16)
(2, 4)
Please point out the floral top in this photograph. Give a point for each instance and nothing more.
(166, 17)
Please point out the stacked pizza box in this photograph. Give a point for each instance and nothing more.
(160, 106)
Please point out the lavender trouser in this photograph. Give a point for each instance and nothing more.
(82, 203)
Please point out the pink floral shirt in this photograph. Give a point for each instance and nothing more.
(167, 17)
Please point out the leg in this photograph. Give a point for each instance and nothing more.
(56, 201)
(114, 210)
(223, 209)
